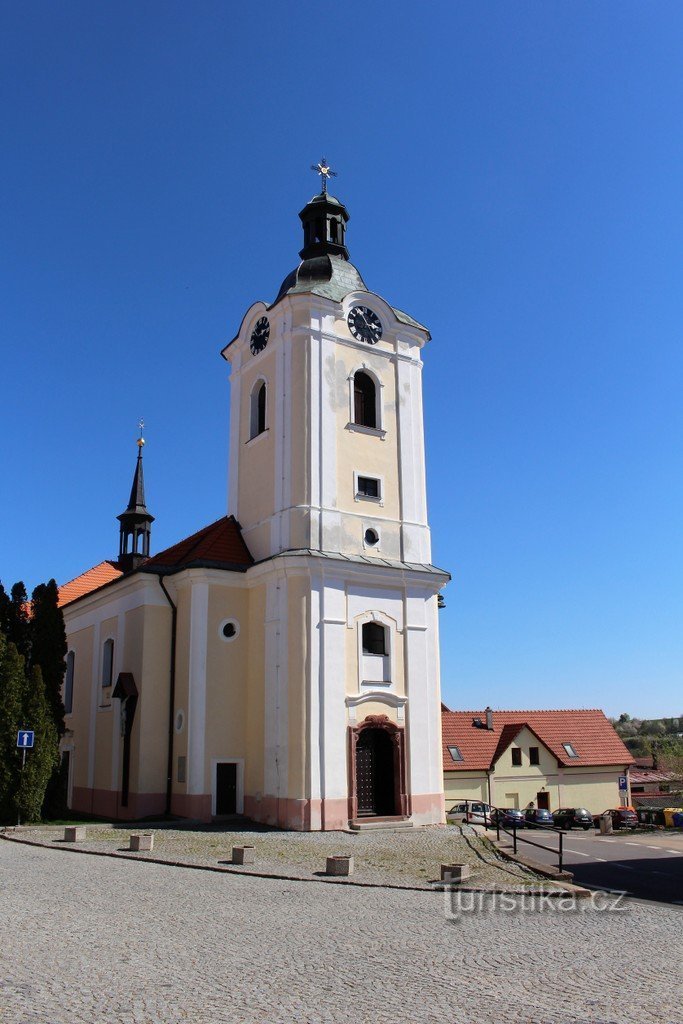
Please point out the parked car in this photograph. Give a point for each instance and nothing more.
(622, 817)
(570, 817)
(471, 811)
(508, 817)
(538, 816)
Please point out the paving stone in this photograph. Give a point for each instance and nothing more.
(119, 942)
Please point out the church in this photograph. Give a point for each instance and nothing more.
(283, 662)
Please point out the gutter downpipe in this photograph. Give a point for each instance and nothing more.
(171, 709)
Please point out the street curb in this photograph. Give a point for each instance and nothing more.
(226, 870)
(563, 877)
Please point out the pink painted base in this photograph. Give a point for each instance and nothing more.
(298, 815)
(106, 803)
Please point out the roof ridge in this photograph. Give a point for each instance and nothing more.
(105, 561)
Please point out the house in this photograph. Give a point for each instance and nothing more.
(283, 661)
(547, 759)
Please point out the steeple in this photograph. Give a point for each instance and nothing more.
(136, 522)
(324, 219)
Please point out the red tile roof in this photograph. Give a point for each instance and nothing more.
(218, 545)
(640, 776)
(88, 581)
(590, 733)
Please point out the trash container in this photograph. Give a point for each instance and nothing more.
(678, 819)
(606, 824)
(669, 815)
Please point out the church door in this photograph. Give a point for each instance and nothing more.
(375, 773)
(226, 789)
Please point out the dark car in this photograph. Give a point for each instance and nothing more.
(538, 816)
(623, 817)
(573, 817)
(507, 817)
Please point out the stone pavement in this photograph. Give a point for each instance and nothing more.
(407, 859)
(91, 939)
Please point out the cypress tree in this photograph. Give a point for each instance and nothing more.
(12, 687)
(48, 646)
(43, 759)
(18, 629)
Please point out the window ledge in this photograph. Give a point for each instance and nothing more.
(257, 437)
(376, 682)
(368, 497)
(372, 431)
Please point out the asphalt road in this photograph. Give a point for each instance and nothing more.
(647, 866)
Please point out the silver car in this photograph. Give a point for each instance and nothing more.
(473, 812)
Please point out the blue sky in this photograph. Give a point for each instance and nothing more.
(514, 178)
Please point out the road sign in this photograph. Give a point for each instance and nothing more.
(25, 739)
(623, 783)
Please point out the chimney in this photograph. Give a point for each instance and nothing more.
(489, 719)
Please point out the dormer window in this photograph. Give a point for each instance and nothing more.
(456, 754)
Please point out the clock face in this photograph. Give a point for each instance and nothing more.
(260, 335)
(365, 325)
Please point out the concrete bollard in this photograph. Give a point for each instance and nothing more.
(74, 834)
(454, 873)
(339, 866)
(243, 854)
(141, 842)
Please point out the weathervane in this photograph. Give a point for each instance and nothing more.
(325, 172)
(141, 440)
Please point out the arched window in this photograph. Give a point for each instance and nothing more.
(364, 400)
(69, 683)
(107, 662)
(258, 409)
(374, 638)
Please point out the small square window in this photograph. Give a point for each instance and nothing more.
(571, 752)
(456, 753)
(516, 757)
(367, 487)
(534, 755)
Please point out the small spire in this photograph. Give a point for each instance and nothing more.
(136, 521)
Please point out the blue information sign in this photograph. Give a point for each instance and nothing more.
(25, 738)
(623, 782)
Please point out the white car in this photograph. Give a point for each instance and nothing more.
(473, 812)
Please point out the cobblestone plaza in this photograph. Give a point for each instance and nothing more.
(97, 939)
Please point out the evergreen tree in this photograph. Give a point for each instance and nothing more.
(43, 759)
(17, 628)
(48, 646)
(12, 687)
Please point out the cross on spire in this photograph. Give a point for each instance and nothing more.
(140, 441)
(325, 172)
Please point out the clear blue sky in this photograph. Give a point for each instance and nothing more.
(514, 178)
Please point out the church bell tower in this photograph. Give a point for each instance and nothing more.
(327, 481)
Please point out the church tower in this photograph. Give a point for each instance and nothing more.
(327, 482)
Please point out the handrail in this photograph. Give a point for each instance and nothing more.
(488, 823)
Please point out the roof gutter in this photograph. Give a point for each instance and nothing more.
(171, 697)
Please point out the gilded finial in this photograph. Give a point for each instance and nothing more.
(140, 441)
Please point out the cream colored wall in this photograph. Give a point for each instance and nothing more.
(593, 788)
(149, 630)
(257, 455)
(460, 786)
(81, 643)
(227, 678)
(183, 602)
(398, 663)
(299, 449)
(298, 598)
(253, 775)
(104, 727)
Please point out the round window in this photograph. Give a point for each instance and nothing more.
(229, 629)
(371, 537)
(179, 721)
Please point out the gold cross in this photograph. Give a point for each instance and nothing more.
(325, 172)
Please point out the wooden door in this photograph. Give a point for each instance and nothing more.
(543, 801)
(375, 773)
(226, 789)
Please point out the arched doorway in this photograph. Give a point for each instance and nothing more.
(375, 773)
(377, 769)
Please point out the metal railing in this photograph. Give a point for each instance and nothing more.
(489, 822)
